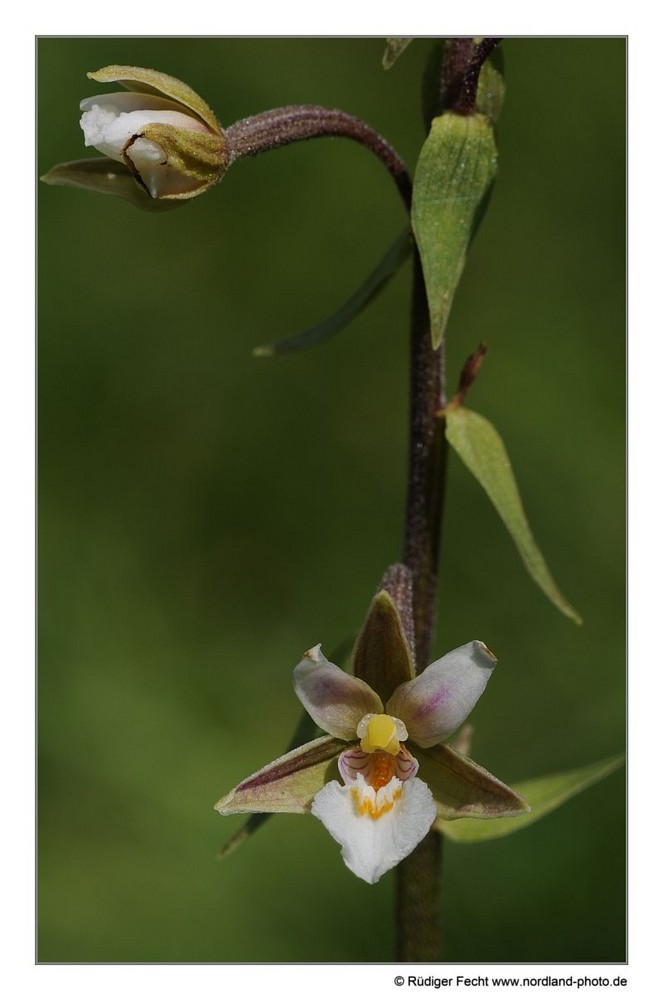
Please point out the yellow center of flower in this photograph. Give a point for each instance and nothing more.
(381, 734)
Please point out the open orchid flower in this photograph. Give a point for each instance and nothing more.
(397, 775)
(161, 142)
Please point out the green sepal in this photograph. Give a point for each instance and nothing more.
(463, 788)
(150, 81)
(453, 180)
(304, 731)
(393, 49)
(199, 155)
(387, 267)
(382, 656)
(104, 176)
(288, 784)
(480, 448)
(543, 794)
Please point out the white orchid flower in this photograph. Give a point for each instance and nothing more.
(398, 776)
(382, 811)
(161, 142)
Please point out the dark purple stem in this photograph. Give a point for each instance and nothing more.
(281, 126)
(419, 880)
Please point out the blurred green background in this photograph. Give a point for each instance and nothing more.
(204, 516)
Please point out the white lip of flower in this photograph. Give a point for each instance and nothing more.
(382, 811)
(112, 123)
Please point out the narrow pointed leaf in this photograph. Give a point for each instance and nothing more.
(393, 49)
(463, 788)
(255, 821)
(288, 784)
(104, 176)
(480, 448)
(397, 255)
(543, 795)
(382, 657)
(453, 180)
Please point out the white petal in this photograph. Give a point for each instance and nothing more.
(434, 704)
(125, 101)
(109, 129)
(335, 700)
(376, 830)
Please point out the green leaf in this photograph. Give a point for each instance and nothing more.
(491, 86)
(462, 788)
(542, 794)
(393, 49)
(480, 448)
(453, 180)
(379, 277)
(104, 176)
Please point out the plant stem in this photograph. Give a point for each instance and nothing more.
(419, 875)
(426, 469)
(419, 880)
(296, 122)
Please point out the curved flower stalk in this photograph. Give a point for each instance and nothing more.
(161, 135)
(397, 774)
(163, 145)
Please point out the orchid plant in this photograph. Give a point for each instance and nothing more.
(381, 775)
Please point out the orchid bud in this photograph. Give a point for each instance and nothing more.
(166, 140)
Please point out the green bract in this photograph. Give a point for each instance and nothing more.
(453, 179)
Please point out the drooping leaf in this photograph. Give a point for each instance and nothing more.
(453, 180)
(104, 176)
(393, 49)
(543, 795)
(397, 255)
(463, 788)
(480, 448)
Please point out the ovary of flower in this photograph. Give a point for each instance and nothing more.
(382, 811)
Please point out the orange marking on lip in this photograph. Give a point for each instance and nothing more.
(369, 806)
